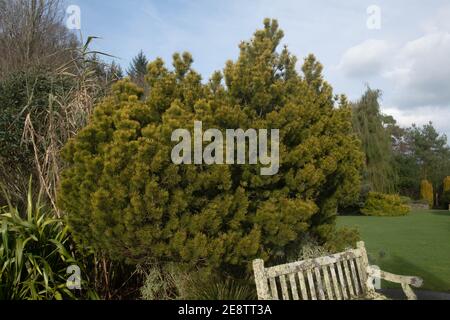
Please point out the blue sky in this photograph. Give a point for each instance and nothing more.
(407, 58)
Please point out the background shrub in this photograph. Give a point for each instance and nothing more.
(163, 282)
(175, 282)
(23, 93)
(379, 204)
(405, 200)
(426, 192)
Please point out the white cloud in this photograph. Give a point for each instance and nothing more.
(421, 116)
(417, 72)
(440, 22)
(366, 59)
(421, 75)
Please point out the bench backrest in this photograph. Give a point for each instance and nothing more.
(339, 276)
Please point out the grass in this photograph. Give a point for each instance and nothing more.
(416, 245)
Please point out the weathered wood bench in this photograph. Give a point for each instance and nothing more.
(342, 276)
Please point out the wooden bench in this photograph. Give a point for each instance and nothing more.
(342, 276)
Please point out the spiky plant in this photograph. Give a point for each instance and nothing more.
(35, 251)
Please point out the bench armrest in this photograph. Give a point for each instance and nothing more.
(413, 281)
(405, 281)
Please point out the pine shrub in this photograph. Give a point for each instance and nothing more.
(123, 194)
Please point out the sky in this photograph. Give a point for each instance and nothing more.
(401, 47)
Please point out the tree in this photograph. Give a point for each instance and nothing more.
(446, 193)
(115, 71)
(32, 33)
(446, 184)
(372, 128)
(121, 191)
(432, 154)
(138, 69)
(409, 176)
(405, 164)
(426, 192)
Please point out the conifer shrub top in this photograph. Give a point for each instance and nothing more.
(385, 205)
(122, 193)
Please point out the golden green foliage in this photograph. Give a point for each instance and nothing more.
(122, 193)
(383, 205)
(426, 192)
(446, 184)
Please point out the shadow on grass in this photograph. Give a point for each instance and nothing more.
(431, 281)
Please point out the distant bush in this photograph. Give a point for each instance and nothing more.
(426, 192)
(405, 200)
(380, 204)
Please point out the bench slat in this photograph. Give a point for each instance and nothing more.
(334, 279)
(355, 277)
(311, 284)
(342, 281)
(284, 288)
(293, 286)
(327, 283)
(273, 289)
(303, 288)
(319, 284)
(348, 278)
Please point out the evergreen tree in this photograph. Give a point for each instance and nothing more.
(138, 69)
(122, 193)
(446, 184)
(426, 192)
(431, 152)
(371, 126)
(115, 72)
(446, 193)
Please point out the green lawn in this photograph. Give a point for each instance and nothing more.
(418, 244)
